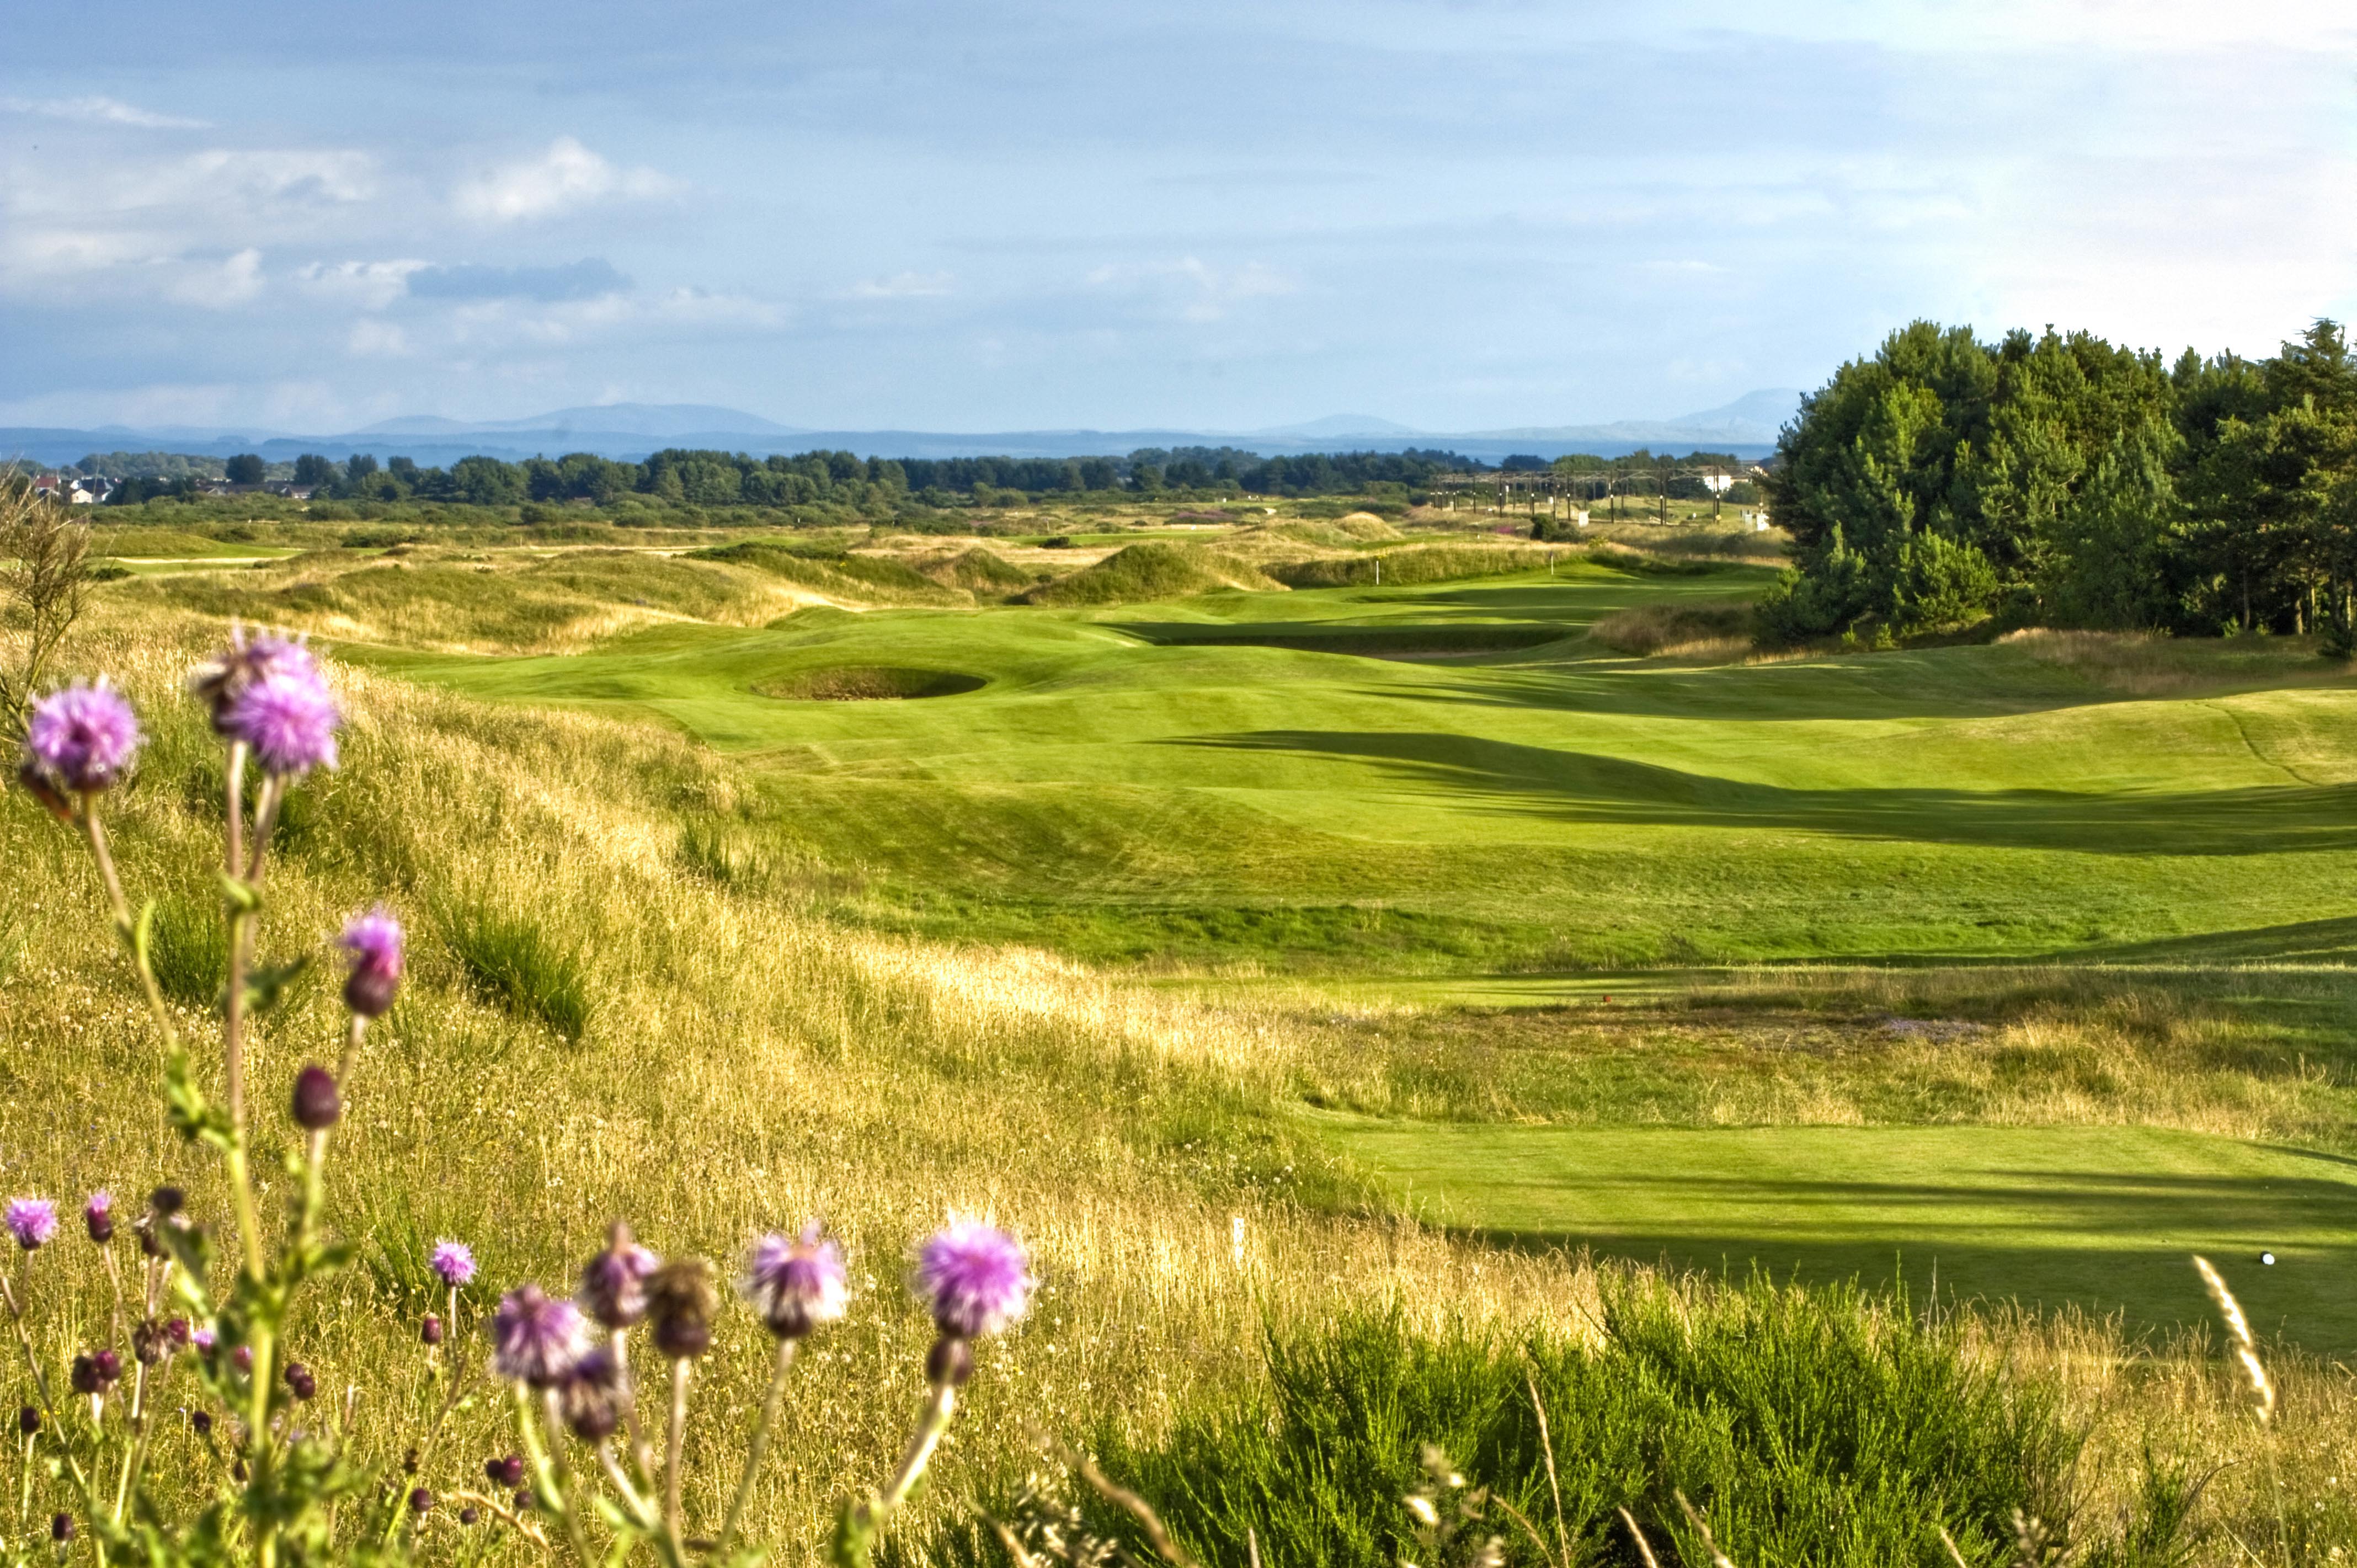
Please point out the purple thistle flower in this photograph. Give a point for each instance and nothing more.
(374, 942)
(32, 1220)
(98, 1217)
(537, 1338)
(614, 1282)
(289, 721)
(81, 739)
(204, 1339)
(975, 1278)
(795, 1286)
(245, 661)
(592, 1396)
(453, 1262)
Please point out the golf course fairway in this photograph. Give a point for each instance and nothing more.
(2103, 1218)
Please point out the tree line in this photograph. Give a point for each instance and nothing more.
(2062, 480)
(678, 476)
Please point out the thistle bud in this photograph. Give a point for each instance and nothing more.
(469, 1514)
(506, 1473)
(242, 1358)
(167, 1200)
(300, 1380)
(374, 942)
(430, 1330)
(200, 1422)
(317, 1106)
(680, 1303)
(614, 1282)
(29, 1419)
(951, 1361)
(421, 1501)
(61, 1528)
(98, 1217)
(96, 1371)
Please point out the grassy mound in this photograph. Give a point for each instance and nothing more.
(980, 570)
(871, 684)
(856, 579)
(1148, 571)
(1675, 628)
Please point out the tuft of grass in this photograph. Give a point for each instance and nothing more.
(512, 961)
(1807, 1427)
(188, 950)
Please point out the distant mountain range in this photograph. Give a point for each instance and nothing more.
(1747, 427)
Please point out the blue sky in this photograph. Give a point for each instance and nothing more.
(1207, 215)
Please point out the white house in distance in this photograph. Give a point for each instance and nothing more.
(73, 489)
(1719, 481)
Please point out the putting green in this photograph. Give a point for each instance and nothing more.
(2105, 1218)
(1453, 779)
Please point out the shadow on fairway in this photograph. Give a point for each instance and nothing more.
(1584, 787)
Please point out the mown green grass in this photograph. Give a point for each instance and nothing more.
(2101, 1217)
(1454, 776)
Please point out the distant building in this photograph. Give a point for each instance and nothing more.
(1719, 481)
(74, 489)
(292, 492)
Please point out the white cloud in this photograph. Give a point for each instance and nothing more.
(99, 111)
(904, 286)
(566, 175)
(223, 285)
(365, 286)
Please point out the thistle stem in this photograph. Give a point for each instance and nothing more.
(939, 1407)
(126, 925)
(675, 1474)
(760, 1446)
(549, 1471)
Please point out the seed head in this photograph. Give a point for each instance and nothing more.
(453, 1262)
(976, 1279)
(614, 1282)
(289, 719)
(81, 739)
(374, 942)
(300, 1380)
(32, 1220)
(680, 1303)
(536, 1338)
(795, 1286)
(317, 1105)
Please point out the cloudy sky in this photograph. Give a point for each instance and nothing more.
(1211, 214)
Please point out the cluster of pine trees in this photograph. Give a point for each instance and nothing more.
(2061, 481)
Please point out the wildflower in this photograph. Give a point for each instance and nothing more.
(374, 940)
(430, 1330)
(300, 1380)
(204, 1339)
(151, 1342)
(243, 1357)
(177, 1333)
(535, 1338)
(81, 739)
(289, 720)
(507, 1473)
(32, 1220)
(96, 1371)
(614, 1282)
(976, 1279)
(453, 1262)
(421, 1501)
(680, 1303)
(245, 661)
(592, 1395)
(795, 1286)
(317, 1105)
